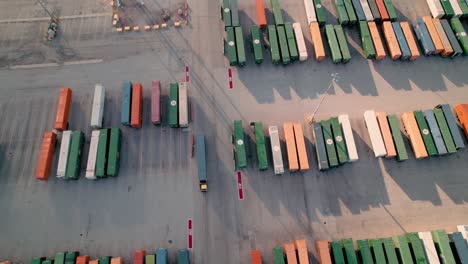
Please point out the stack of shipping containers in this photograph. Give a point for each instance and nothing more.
(234, 35)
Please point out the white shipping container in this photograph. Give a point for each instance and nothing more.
(464, 230)
(183, 105)
(63, 155)
(276, 150)
(456, 8)
(301, 46)
(93, 148)
(310, 11)
(374, 133)
(367, 10)
(436, 8)
(349, 137)
(428, 243)
(97, 112)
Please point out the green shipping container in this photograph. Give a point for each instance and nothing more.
(346, 55)
(274, 46)
(390, 10)
(378, 251)
(340, 143)
(425, 133)
(150, 259)
(101, 157)
(277, 12)
(460, 33)
(366, 38)
(113, 161)
(390, 251)
(340, 8)
(329, 143)
(402, 154)
(291, 41)
(375, 10)
(461, 249)
(226, 14)
(278, 255)
(283, 43)
(256, 44)
(464, 7)
(350, 11)
(231, 46)
(48, 261)
(448, 9)
(337, 252)
(444, 130)
(74, 156)
(418, 248)
(442, 244)
(240, 46)
(174, 105)
(37, 260)
(105, 260)
(403, 249)
(365, 252)
(349, 251)
(59, 258)
(239, 141)
(333, 43)
(260, 143)
(235, 14)
(320, 12)
(70, 257)
(183, 256)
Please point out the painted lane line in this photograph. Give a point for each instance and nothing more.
(230, 78)
(34, 19)
(189, 226)
(30, 66)
(240, 188)
(82, 62)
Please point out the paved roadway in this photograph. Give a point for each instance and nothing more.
(148, 205)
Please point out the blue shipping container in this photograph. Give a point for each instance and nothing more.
(405, 51)
(423, 36)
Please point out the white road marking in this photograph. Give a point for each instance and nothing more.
(82, 62)
(53, 64)
(33, 19)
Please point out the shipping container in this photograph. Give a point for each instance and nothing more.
(240, 151)
(378, 251)
(274, 45)
(300, 42)
(126, 103)
(183, 105)
(320, 146)
(460, 252)
(93, 148)
(320, 12)
(317, 41)
(375, 10)
(82, 260)
(383, 10)
(405, 51)
(340, 143)
(460, 33)
(300, 147)
(464, 7)
(405, 26)
(367, 11)
(293, 52)
(442, 244)
(161, 256)
(116, 260)
(38, 260)
(414, 135)
(256, 256)
(436, 8)
(97, 112)
(435, 132)
(453, 127)
(200, 150)
(278, 255)
(445, 130)
(374, 133)
(392, 42)
(348, 246)
(349, 137)
(231, 46)
(401, 243)
(156, 102)
(456, 8)
(431, 28)
(293, 162)
(290, 253)
(390, 10)
(260, 144)
(241, 59)
(149, 259)
(234, 15)
(329, 144)
(70, 257)
(226, 14)
(417, 248)
(283, 44)
(402, 154)
(346, 55)
(424, 38)
(113, 160)
(366, 39)
(365, 252)
(341, 12)
(276, 150)
(323, 252)
(63, 109)
(310, 11)
(425, 133)
(277, 12)
(448, 9)
(74, 156)
(353, 19)
(333, 44)
(257, 47)
(261, 17)
(63, 154)
(390, 251)
(463, 229)
(173, 105)
(105, 260)
(457, 50)
(462, 114)
(386, 134)
(359, 11)
(101, 158)
(380, 53)
(183, 256)
(137, 94)
(59, 258)
(337, 252)
(302, 253)
(429, 247)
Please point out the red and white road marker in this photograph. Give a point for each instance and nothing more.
(230, 78)
(240, 189)
(189, 238)
(187, 72)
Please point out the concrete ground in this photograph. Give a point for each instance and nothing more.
(149, 204)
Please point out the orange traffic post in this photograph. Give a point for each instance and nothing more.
(317, 41)
(323, 252)
(439, 47)
(302, 253)
(135, 118)
(378, 44)
(386, 134)
(261, 18)
(412, 129)
(256, 257)
(46, 155)
(405, 26)
(63, 109)
(392, 42)
(290, 252)
(291, 146)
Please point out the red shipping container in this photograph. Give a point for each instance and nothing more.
(63, 109)
(45, 156)
(256, 256)
(82, 260)
(156, 103)
(139, 257)
(383, 10)
(135, 118)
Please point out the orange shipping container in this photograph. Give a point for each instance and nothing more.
(291, 146)
(323, 252)
(392, 42)
(386, 134)
(262, 23)
(317, 41)
(379, 47)
(414, 135)
(63, 109)
(94, 261)
(300, 146)
(116, 260)
(382, 10)
(256, 257)
(137, 91)
(405, 26)
(439, 47)
(302, 253)
(290, 253)
(82, 260)
(462, 114)
(45, 156)
(448, 51)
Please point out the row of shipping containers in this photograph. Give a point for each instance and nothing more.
(295, 252)
(448, 8)
(338, 44)
(350, 12)
(234, 38)
(160, 257)
(104, 153)
(131, 109)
